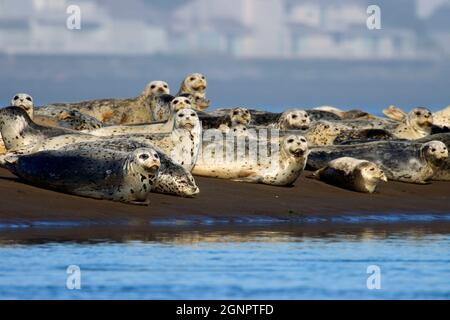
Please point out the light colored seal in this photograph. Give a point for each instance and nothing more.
(24, 101)
(173, 179)
(443, 172)
(183, 143)
(320, 133)
(224, 119)
(21, 135)
(290, 119)
(441, 118)
(176, 104)
(113, 111)
(194, 86)
(19, 132)
(103, 174)
(417, 124)
(70, 119)
(279, 168)
(293, 119)
(350, 173)
(400, 160)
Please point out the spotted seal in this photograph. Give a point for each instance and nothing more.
(20, 132)
(417, 124)
(443, 172)
(104, 174)
(112, 111)
(173, 179)
(404, 161)
(224, 119)
(182, 144)
(24, 101)
(281, 167)
(351, 173)
(194, 86)
(441, 118)
(70, 119)
(154, 127)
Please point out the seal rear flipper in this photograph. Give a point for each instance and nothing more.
(315, 174)
(8, 159)
(395, 113)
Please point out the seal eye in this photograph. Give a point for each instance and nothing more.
(188, 102)
(418, 113)
(433, 150)
(192, 79)
(372, 169)
(181, 115)
(245, 129)
(176, 101)
(302, 140)
(29, 99)
(327, 126)
(156, 156)
(152, 86)
(234, 129)
(165, 86)
(16, 97)
(290, 140)
(203, 77)
(144, 156)
(294, 116)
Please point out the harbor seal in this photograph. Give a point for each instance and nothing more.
(417, 124)
(173, 179)
(288, 120)
(441, 118)
(194, 86)
(24, 101)
(70, 119)
(443, 172)
(104, 174)
(183, 143)
(404, 161)
(320, 133)
(224, 119)
(279, 168)
(112, 111)
(20, 132)
(21, 135)
(350, 173)
(155, 127)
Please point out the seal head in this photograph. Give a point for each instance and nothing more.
(294, 119)
(24, 101)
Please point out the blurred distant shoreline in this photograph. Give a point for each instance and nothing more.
(272, 84)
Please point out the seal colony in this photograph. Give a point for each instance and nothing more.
(125, 149)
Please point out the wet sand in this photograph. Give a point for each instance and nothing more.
(22, 203)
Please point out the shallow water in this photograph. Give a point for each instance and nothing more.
(232, 262)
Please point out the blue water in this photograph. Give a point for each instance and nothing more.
(266, 263)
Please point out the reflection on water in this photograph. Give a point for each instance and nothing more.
(230, 262)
